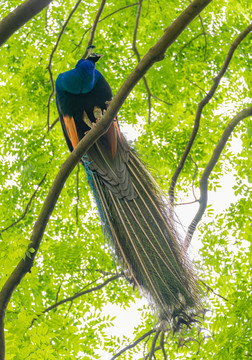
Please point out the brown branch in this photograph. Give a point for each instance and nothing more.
(130, 346)
(53, 124)
(201, 105)
(153, 348)
(134, 48)
(212, 290)
(77, 295)
(188, 43)
(205, 34)
(162, 345)
(27, 206)
(49, 67)
(155, 97)
(156, 53)
(18, 17)
(81, 293)
(105, 17)
(157, 348)
(193, 83)
(208, 169)
(93, 29)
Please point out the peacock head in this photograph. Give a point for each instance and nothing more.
(91, 55)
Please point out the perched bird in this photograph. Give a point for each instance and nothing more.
(133, 212)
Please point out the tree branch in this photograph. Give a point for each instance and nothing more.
(162, 345)
(155, 97)
(208, 169)
(201, 105)
(49, 67)
(156, 53)
(136, 52)
(212, 290)
(130, 346)
(154, 341)
(27, 206)
(77, 295)
(189, 42)
(93, 29)
(18, 17)
(105, 17)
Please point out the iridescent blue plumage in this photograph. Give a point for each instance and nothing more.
(80, 80)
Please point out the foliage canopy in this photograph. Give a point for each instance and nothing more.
(74, 256)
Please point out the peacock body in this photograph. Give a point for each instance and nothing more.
(133, 213)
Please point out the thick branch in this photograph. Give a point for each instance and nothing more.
(130, 346)
(212, 162)
(153, 345)
(201, 105)
(93, 29)
(18, 17)
(156, 53)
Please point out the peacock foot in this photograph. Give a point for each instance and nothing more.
(108, 102)
(87, 121)
(97, 113)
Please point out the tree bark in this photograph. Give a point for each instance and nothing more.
(18, 17)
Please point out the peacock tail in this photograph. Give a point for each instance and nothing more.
(138, 224)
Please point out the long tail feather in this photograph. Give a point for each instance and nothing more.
(137, 221)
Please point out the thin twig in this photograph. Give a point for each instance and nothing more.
(208, 169)
(53, 124)
(93, 29)
(130, 346)
(27, 206)
(81, 293)
(205, 34)
(189, 42)
(201, 105)
(193, 83)
(49, 67)
(212, 290)
(134, 48)
(155, 97)
(77, 295)
(105, 17)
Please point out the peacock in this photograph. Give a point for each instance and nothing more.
(134, 213)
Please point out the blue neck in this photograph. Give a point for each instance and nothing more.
(80, 80)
